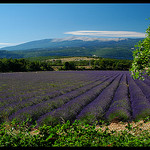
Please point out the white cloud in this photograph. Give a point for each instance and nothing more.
(7, 44)
(86, 39)
(109, 33)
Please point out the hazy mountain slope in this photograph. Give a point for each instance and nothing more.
(73, 46)
(71, 42)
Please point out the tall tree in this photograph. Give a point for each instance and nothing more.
(141, 58)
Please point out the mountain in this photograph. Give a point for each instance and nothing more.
(73, 46)
(62, 42)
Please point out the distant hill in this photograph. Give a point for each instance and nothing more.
(120, 48)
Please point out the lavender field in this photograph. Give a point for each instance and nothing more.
(89, 96)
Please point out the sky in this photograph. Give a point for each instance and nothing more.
(26, 22)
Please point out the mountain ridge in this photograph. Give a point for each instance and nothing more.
(61, 42)
(73, 46)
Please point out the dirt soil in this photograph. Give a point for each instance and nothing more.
(72, 59)
(139, 127)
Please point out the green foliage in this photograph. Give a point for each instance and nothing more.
(141, 58)
(111, 64)
(69, 66)
(77, 134)
(21, 65)
(41, 64)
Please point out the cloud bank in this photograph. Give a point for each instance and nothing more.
(5, 43)
(86, 39)
(8, 44)
(109, 33)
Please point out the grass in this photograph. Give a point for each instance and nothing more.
(77, 134)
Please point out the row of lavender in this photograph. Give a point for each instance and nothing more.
(23, 90)
(122, 98)
(53, 97)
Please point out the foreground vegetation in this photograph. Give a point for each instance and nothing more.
(77, 134)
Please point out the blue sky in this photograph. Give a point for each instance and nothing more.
(27, 22)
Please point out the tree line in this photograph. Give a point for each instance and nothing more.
(98, 64)
(22, 65)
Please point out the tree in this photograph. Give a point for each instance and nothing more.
(101, 64)
(34, 66)
(69, 66)
(141, 58)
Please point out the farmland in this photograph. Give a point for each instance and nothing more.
(89, 96)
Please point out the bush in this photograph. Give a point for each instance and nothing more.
(77, 134)
(141, 61)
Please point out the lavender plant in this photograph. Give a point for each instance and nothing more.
(85, 95)
(139, 103)
(120, 106)
(98, 107)
(73, 107)
(144, 87)
(36, 110)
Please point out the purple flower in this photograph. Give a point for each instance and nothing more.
(73, 107)
(139, 102)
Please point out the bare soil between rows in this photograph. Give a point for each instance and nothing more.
(117, 126)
